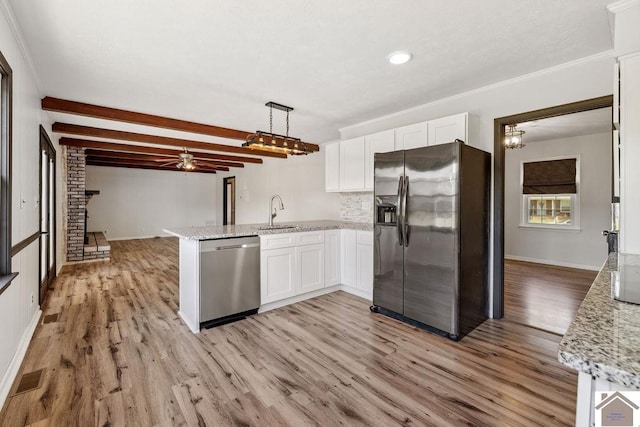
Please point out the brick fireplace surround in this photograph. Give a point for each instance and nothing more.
(77, 199)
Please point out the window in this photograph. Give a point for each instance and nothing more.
(550, 193)
(5, 173)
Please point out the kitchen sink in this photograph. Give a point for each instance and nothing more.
(276, 227)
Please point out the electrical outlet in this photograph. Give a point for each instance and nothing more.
(32, 299)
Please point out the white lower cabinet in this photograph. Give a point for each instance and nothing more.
(332, 257)
(349, 256)
(294, 269)
(357, 259)
(277, 274)
(309, 268)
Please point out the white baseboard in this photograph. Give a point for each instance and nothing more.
(556, 263)
(357, 292)
(298, 298)
(14, 366)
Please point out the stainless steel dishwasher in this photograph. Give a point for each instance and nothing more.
(229, 280)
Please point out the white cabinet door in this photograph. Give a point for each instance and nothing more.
(349, 257)
(352, 164)
(364, 261)
(331, 257)
(412, 136)
(310, 268)
(277, 274)
(332, 167)
(448, 129)
(381, 142)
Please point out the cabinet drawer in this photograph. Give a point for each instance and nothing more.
(365, 237)
(310, 237)
(287, 240)
(275, 241)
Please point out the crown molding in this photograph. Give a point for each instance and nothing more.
(9, 15)
(593, 58)
(621, 5)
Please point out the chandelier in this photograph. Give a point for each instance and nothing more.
(513, 137)
(270, 141)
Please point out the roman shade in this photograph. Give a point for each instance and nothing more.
(549, 177)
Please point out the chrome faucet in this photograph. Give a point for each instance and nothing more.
(272, 211)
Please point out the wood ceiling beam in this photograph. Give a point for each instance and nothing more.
(137, 165)
(90, 110)
(111, 146)
(156, 139)
(155, 158)
(151, 163)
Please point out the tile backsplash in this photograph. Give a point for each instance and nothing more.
(356, 207)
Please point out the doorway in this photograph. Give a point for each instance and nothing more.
(499, 181)
(229, 200)
(47, 214)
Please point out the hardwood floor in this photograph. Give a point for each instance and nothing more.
(119, 355)
(544, 296)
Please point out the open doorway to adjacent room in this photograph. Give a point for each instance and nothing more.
(229, 200)
(552, 201)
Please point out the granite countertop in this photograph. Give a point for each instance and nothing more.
(603, 339)
(225, 231)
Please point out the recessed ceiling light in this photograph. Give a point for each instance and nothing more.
(399, 57)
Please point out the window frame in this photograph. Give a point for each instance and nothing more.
(575, 198)
(6, 87)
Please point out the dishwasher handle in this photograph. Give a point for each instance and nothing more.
(224, 248)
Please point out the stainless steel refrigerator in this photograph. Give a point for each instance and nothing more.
(431, 237)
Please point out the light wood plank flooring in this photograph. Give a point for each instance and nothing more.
(544, 296)
(119, 355)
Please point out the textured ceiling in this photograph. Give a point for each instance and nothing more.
(577, 124)
(219, 62)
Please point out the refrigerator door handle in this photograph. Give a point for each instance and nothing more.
(399, 221)
(405, 221)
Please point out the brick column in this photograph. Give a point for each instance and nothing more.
(76, 202)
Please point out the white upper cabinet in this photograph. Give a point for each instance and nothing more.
(381, 142)
(332, 166)
(352, 164)
(448, 129)
(412, 136)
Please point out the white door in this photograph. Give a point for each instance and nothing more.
(331, 257)
(277, 274)
(381, 142)
(332, 167)
(365, 267)
(448, 129)
(310, 268)
(412, 136)
(352, 164)
(349, 256)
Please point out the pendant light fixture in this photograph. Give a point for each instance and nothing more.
(513, 137)
(270, 141)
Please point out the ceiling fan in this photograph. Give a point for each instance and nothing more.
(187, 163)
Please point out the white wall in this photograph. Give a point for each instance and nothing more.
(584, 248)
(299, 180)
(582, 79)
(19, 310)
(135, 203)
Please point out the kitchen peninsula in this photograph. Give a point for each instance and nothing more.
(297, 261)
(603, 341)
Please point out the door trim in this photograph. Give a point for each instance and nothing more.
(498, 181)
(46, 145)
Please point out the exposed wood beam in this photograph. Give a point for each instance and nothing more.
(156, 139)
(155, 158)
(87, 143)
(138, 166)
(172, 164)
(90, 110)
